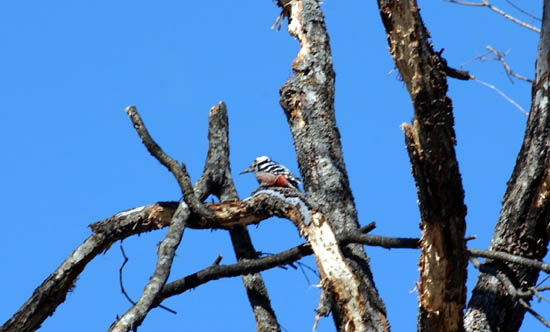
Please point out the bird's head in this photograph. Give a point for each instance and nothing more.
(258, 161)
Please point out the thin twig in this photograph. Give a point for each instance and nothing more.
(123, 290)
(479, 57)
(542, 281)
(500, 57)
(304, 273)
(510, 100)
(537, 291)
(534, 313)
(523, 11)
(465, 3)
(120, 274)
(485, 3)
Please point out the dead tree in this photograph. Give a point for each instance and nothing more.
(499, 301)
(326, 216)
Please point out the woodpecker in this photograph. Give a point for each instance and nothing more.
(270, 173)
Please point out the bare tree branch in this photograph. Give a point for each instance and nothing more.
(485, 3)
(516, 294)
(53, 290)
(523, 11)
(508, 99)
(166, 251)
(506, 257)
(179, 171)
(244, 266)
(534, 313)
(123, 290)
(465, 75)
(500, 57)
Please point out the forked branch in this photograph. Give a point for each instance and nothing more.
(178, 170)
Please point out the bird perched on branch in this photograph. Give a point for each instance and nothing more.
(270, 173)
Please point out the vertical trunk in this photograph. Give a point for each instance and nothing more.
(308, 102)
(430, 142)
(217, 177)
(523, 225)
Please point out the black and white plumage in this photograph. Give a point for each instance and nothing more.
(270, 173)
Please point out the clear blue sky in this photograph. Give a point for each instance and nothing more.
(71, 157)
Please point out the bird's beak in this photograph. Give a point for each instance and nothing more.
(248, 170)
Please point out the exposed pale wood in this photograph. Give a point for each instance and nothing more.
(430, 141)
(308, 101)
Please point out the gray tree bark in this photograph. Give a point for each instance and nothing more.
(308, 102)
(523, 225)
(430, 141)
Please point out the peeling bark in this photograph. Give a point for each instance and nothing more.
(308, 102)
(523, 225)
(430, 142)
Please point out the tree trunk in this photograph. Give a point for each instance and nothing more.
(522, 228)
(308, 102)
(430, 142)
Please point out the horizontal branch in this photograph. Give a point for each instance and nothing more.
(252, 210)
(244, 266)
(506, 257)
